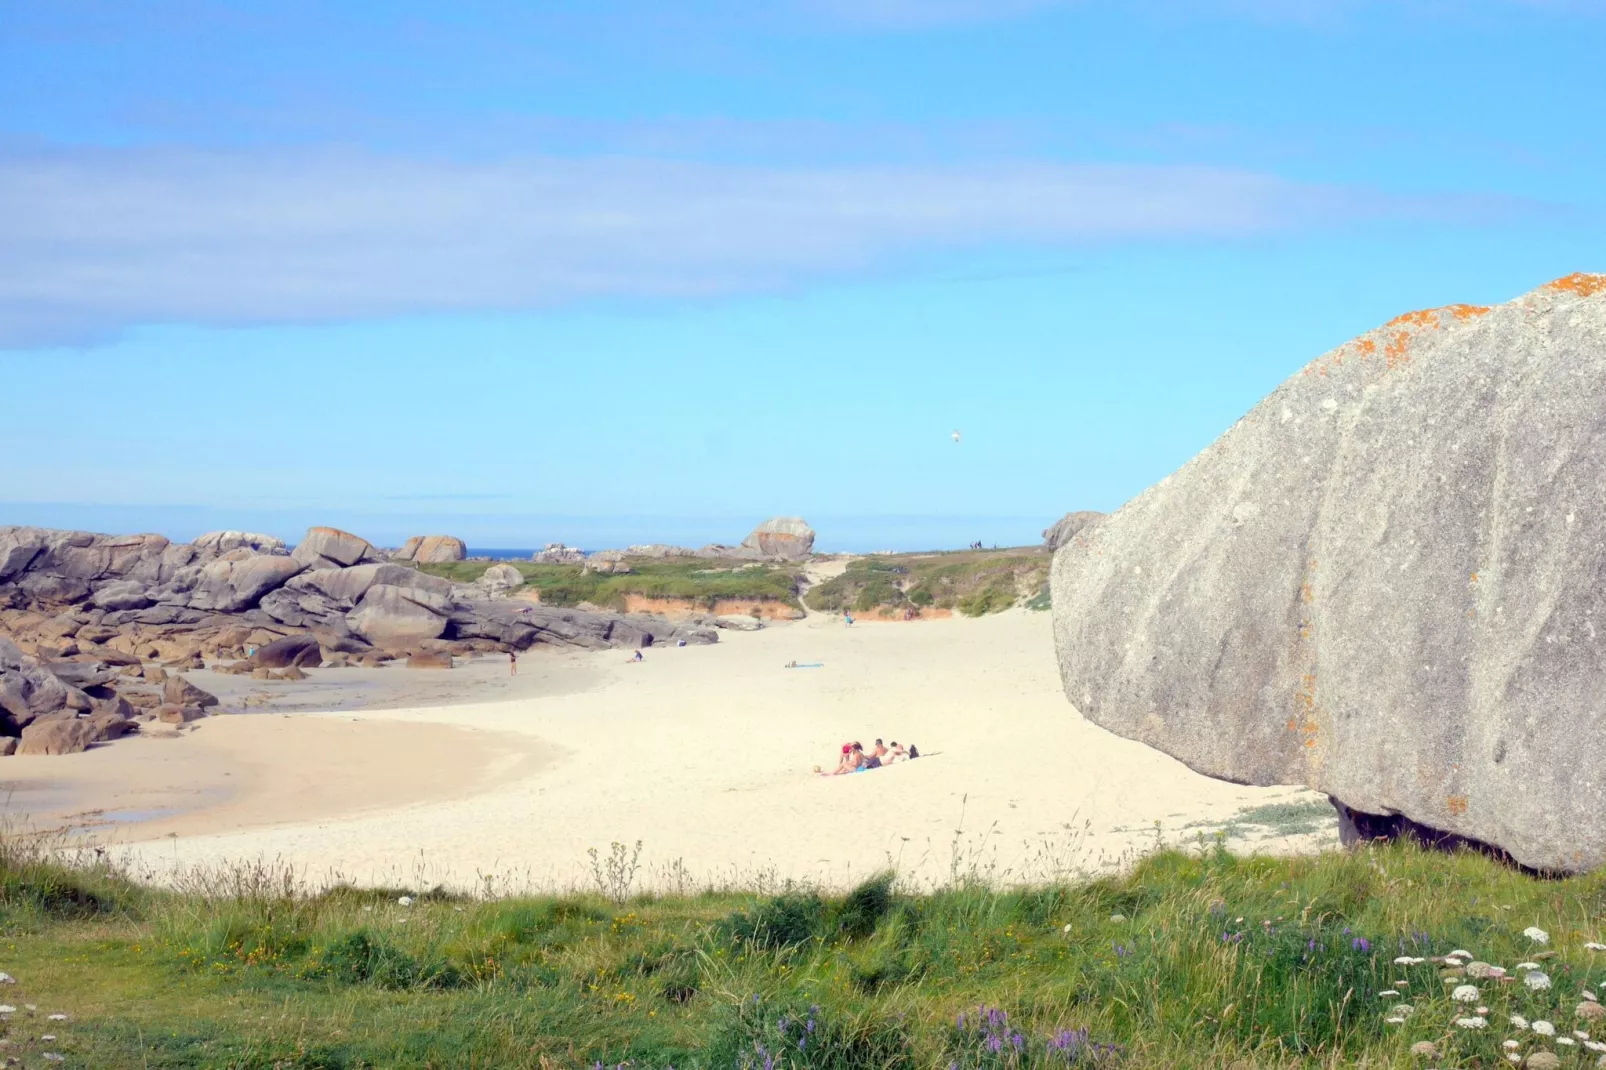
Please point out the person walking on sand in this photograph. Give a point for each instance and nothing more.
(512, 662)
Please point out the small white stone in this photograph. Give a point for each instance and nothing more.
(1536, 934)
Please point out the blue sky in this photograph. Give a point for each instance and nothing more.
(612, 271)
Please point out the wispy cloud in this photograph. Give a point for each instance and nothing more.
(98, 240)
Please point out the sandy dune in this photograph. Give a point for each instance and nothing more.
(705, 756)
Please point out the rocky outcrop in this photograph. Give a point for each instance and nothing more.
(86, 615)
(1063, 529)
(1386, 582)
(786, 537)
(558, 554)
(333, 548)
(221, 542)
(431, 550)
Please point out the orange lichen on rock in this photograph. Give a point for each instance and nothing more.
(1580, 283)
(1394, 353)
(1427, 317)
(1366, 346)
(1465, 312)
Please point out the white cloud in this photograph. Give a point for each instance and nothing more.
(97, 240)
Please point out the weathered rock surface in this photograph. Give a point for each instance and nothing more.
(221, 542)
(1386, 582)
(333, 548)
(608, 561)
(397, 618)
(178, 691)
(1061, 531)
(785, 537)
(738, 622)
(431, 550)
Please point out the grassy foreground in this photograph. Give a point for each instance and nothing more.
(693, 579)
(1193, 960)
(973, 582)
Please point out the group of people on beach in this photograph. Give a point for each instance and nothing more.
(855, 759)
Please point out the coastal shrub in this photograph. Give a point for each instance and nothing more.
(997, 596)
(864, 907)
(986, 1039)
(364, 957)
(783, 921)
(34, 881)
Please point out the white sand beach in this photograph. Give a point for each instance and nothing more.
(703, 754)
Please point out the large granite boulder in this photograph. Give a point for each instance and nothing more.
(333, 548)
(399, 618)
(785, 537)
(1061, 531)
(345, 587)
(431, 550)
(221, 542)
(1386, 582)
(234, 582)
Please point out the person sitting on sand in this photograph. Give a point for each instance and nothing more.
(638, 657)
(898, 754)
(880, 752)
(849, 763)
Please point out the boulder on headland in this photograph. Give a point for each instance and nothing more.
(609, 561)
(425, 659)
(333, 548)
(1061, 531)
(431, 550)
(558, 554)
(785, 537)
(1386, 582)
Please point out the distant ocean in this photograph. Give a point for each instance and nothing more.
(501, 555)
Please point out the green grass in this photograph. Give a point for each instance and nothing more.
(697, 580)
(1197, 959)
(973, 582)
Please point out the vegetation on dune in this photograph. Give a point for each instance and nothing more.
(974, 582)
(1196, 959)
(697, 580)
